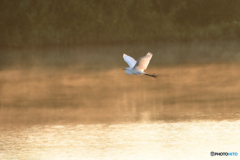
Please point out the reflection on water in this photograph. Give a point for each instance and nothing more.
(40, 96)
(146, 140)
(77, 104)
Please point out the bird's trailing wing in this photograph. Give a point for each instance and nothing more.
(130, 61)
(143, 62)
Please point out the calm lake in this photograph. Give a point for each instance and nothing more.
(75, 103)
(145, 140)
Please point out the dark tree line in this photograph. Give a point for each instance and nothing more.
(46, 22)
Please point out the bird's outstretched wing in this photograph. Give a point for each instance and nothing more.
(143, 62)
(130, 61)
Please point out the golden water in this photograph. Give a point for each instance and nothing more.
(75, 103)
(123, 141)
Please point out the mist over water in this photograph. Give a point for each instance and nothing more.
(75, 103)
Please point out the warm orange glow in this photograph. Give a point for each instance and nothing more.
(180, 92)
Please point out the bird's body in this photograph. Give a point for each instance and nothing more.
(138, 67)
(133, 71)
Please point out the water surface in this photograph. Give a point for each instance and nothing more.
(75, 103)
(143, 140)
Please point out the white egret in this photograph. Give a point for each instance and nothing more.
(138, 67)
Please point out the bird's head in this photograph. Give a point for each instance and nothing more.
(125, 69)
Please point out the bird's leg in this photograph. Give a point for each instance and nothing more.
(151, 75)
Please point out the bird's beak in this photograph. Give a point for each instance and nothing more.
(122, 69)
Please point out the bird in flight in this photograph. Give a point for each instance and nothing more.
(138, 67)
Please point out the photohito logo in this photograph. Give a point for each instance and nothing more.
(223, 153)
